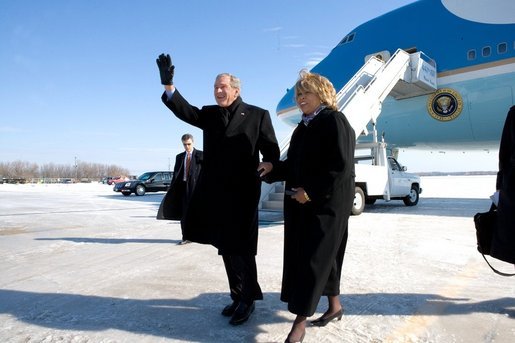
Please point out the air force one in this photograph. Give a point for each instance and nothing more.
(444, 72)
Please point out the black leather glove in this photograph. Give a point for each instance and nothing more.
(164, 63)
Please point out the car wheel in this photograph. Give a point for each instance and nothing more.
(412, 198)
(359, 202)
(140, 190)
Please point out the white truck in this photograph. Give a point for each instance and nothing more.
(379, 176)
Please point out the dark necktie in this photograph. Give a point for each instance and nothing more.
(188, 164)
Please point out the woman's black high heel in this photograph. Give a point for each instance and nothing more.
(323, 321)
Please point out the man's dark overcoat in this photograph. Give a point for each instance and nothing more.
(223, 208)
(176, 199)
(503, 241)
(321, 160)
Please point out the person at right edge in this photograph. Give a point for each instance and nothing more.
(223, 209)
(503, 240)
(319, 174)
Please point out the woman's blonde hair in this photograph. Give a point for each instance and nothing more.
(319, 85)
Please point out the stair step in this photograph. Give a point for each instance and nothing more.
(279, 188)
(276, 196)
(272, 205)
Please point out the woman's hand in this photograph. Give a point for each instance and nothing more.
(300, 195)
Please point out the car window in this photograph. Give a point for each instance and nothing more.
(144, 177)
(158, 177)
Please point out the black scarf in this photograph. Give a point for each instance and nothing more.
(228, 112)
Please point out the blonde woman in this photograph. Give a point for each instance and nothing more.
(319, 175)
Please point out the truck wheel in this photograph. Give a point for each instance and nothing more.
(359, 202)
(412, 198)
(140, 190)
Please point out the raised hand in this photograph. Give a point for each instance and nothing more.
(166, 69)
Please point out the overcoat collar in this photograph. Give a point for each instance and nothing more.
(319, 115)
(239, 114)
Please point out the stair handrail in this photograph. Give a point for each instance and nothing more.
(372, 95)
(393, 62)
(350, 88)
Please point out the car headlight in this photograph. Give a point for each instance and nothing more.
(127, 184)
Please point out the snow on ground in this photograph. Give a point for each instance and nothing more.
(81, 263)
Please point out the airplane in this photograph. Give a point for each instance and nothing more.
(473, 45)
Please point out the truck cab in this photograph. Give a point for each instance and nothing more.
(379, 176)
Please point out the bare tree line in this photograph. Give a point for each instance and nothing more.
(82, 170)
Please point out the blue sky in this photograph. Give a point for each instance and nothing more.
(79, 78)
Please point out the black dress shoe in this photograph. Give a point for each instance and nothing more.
(322, 321)
(242, 313)
(228, 310)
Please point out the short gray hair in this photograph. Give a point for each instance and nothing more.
(234, 81)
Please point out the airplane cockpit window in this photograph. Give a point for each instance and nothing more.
(471, 55)
(502, 48)
(347, 39)
(486, 51)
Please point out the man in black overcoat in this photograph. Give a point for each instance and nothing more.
(223, 210)
(503, 240)
(186, 171)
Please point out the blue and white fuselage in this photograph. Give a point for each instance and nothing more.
(473, 45)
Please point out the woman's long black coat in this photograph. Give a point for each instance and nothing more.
(321, 160)
(503, 241)
(223, 208)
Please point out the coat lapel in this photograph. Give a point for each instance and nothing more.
(240, 114)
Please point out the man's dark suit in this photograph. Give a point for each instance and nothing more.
(175, 202)
(224, 206)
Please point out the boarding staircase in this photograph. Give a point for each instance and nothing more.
(403, 76)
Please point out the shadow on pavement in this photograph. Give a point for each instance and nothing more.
(110, 240)
(199, 319)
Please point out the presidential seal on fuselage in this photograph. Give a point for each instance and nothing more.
(445, 104)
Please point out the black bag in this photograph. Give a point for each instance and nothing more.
(486, 223)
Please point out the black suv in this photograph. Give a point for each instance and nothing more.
(147, 182)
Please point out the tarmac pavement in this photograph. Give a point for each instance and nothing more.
(81, 263)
